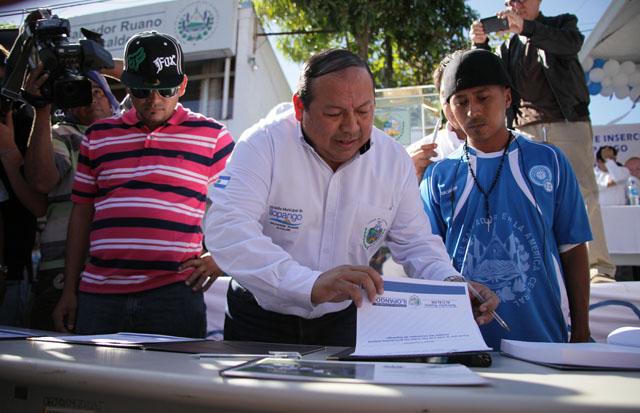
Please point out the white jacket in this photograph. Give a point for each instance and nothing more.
(615, 194)
(280, 216)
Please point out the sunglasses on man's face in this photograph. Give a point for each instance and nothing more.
(145, 93)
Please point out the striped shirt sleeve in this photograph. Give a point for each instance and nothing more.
(223, 149)
(85, 186)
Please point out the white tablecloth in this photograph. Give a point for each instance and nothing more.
(622, 230)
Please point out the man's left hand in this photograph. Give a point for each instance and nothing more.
(204, 274)
(483, 312)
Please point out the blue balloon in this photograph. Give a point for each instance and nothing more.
(598, 63)
(595, 88)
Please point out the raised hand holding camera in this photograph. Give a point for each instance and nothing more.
(43, 40)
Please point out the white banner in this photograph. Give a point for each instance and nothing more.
(625, 138)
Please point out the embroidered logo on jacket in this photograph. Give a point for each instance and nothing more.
(373, 232)
(286, 219)
(541, 176)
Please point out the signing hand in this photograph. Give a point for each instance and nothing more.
(346, 282)
(204, 274)
(483, 312)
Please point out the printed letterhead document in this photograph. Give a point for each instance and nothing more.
(418, 317)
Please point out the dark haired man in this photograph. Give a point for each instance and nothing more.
(541, 57)
(307, 198)
(139, 197)
(510, 211)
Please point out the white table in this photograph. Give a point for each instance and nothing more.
(622, 231)
(34, 375)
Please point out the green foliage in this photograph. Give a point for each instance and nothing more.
(403, 40)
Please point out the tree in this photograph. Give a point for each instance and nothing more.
(402, 40)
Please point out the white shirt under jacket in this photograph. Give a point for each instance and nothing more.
(280, 216)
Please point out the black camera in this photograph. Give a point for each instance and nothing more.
(44, 38)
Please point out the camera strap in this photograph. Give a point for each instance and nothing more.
(37, 102)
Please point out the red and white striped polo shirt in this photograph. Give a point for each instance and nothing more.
(149, 190)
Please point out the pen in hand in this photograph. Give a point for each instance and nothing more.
(481, 299)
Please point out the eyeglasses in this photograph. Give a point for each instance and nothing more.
(510, 2)
(145, 93)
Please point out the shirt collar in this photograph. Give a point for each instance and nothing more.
(130, 117)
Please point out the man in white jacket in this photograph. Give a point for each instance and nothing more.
(307, 198)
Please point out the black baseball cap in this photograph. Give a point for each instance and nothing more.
(152, 60)
(476, 67)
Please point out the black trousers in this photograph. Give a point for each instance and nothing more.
(245, 320)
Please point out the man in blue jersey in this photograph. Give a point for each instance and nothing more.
(510, 211)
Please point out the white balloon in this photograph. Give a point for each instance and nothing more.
(622, 91)
(607, 81)
(634, 93)
(627, 67)
(606, 91)
(620, 80)
(596, 75)
(588, 63)
(634, 79)
(612, 67)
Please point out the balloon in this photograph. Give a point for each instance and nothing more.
(595, 88)
(634, 79)
(634, 93)
(607, 81)
(622, 92)
(597, 63)
(627, 67)
(596, 75)
(607, 91)
(588, 63)
(612, 67)
(620, 80)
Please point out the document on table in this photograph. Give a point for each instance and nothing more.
(356, 372)
(117, 339)
(568, 355)
(418, 317)
(9, 334)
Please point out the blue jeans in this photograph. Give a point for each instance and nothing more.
(173, 309)
(245, 320)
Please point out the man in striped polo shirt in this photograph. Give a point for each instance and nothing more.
(139, 198)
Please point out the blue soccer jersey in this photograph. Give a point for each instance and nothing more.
(536, 211)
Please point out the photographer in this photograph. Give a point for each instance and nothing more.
(50, 165)
(541, 57)
(19, 207)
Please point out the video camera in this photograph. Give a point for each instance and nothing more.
(44, 38)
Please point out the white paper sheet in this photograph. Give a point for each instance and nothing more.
(116, 339)
(418, 317)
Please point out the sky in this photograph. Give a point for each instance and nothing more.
(603, 110)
